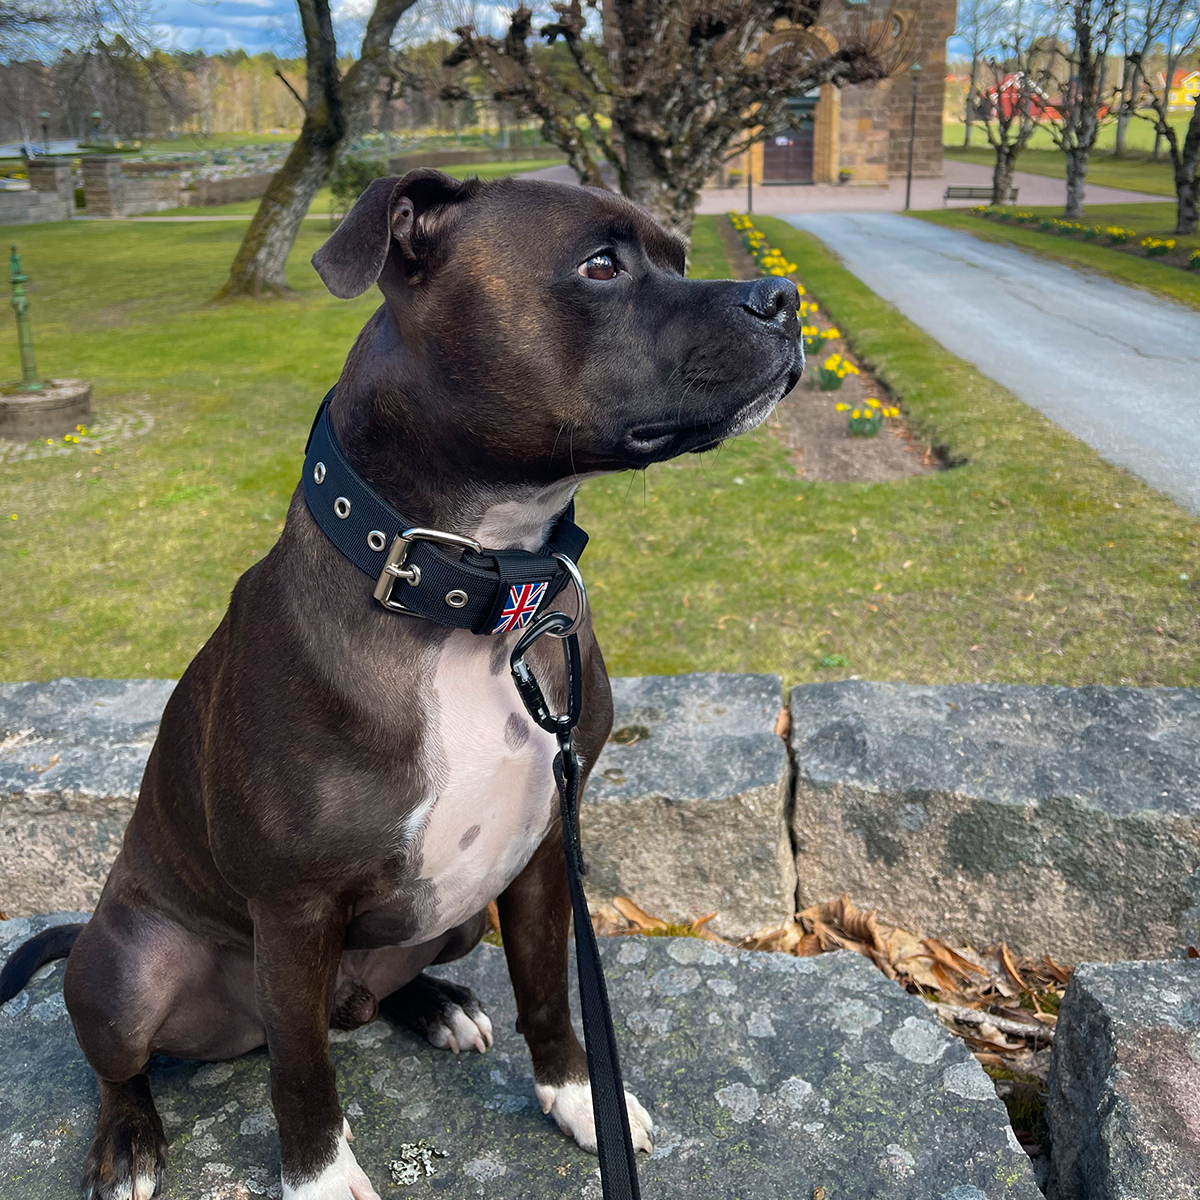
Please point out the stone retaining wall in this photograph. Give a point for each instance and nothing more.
(1064, 821)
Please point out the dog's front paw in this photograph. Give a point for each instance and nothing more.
(343, 1179)
(570, 1104)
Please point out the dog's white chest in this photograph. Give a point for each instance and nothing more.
(491, 782)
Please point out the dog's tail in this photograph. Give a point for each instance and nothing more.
(52, 943)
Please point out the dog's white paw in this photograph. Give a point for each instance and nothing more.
(456, 1031)
(141, 1187)
(343, 1179)
(570, 1104)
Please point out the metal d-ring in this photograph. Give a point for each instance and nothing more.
(581, 591)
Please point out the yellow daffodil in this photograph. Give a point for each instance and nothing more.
(841, 407)
(873, 403)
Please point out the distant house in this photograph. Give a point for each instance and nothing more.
(1185, 87)
(1011, 92)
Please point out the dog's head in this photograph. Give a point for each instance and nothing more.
(547, 330)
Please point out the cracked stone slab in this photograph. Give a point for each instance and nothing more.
(686, 810)
(768, 1077)
(1061, 820)
(72, 753)
(1124, 1107)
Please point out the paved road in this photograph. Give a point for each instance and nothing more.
(1117, 367)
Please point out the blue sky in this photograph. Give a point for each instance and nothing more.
(216, 25)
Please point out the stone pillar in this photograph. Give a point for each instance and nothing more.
(52, 177)
(103, 186)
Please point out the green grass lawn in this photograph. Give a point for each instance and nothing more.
(189, 143)
(1019, 567)
(1147, 220)
(322, 199)
(1139, 138)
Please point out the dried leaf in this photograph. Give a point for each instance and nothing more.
(1011, 967)
(493, 916)
(636, 916)
(783, 724)
(951, 958)
(1058, 974)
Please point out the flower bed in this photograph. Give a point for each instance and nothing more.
(806, 421)
(1113, 235)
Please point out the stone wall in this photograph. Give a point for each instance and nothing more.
(229, 189)
(1061, 820)
(29, 207)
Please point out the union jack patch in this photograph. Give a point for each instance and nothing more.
(522, 603)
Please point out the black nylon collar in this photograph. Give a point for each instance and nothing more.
(492, 591)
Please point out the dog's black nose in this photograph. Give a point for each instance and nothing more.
(771, 295)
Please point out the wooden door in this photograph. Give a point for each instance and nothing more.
(788, 155)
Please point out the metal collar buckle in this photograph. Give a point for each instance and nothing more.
(394, 567)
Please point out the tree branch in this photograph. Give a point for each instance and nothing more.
(284, 80)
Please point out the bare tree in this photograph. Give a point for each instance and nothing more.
(1087, 34)
(979, 23)
(1017, 73)
(681, 86)
(335, 107)
(1174, 24)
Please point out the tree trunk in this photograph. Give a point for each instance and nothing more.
(1077, 166)
(1187, 206)
(646, 182)
(1002, 174)
(334, 108)
(261, 262)
(1122, 130)
(969, 106)
(1187, 173)
(1125, 111)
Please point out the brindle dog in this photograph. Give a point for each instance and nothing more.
(337, 792)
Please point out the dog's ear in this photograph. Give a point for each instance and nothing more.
(405, 209)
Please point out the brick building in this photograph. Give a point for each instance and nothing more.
(862, 130)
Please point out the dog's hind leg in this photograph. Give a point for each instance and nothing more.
(535, 919)
(447, 1015)
(137, 983)
(129, 1149)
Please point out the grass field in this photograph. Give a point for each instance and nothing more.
(322, 199)
(187, 143)
(1147, 220)
(1019, 567)
(1135, 171)
(1139, 138)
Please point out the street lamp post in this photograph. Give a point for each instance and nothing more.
(915, 74)
(20, 306)
(45, 116)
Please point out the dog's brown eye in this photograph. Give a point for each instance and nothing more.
(599, 266)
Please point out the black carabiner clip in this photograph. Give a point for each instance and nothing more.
(559, 724)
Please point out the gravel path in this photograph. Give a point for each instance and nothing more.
(1116, 366)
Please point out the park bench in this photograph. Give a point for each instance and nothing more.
(973, 193)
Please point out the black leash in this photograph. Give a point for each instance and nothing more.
(618, 1170)
(455, 581)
